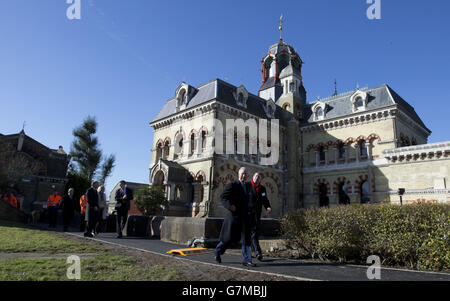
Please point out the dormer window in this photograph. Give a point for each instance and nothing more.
(319, 113)
(183, 95)
(241, 96)
(359, 101)
(270, 108)
(319, 110)
(240, 99)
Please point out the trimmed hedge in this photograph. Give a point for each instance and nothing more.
(416, 236)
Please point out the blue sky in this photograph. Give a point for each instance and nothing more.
(124, 59)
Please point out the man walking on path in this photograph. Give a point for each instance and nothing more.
(239, 220)
(92, 209)
(259, 194)
(123, 197)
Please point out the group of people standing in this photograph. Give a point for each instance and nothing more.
(244, 201)
(68, 205)
(94, 210)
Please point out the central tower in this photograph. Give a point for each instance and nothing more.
(282, 81)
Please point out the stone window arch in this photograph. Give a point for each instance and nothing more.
(363, 148)
(359, 101)
(319, 110)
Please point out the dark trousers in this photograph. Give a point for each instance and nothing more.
(100, 221)
(67, 219)
(82, 222)
(122, 216)
(255, 241)
(92, 220)
(52, 216)
(222, 247)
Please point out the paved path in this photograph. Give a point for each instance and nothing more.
(301, 270)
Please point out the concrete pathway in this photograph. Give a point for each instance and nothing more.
(297, 269)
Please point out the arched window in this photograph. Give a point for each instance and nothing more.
(413, 141)
(159, 149)
(241, 98)
(200, 189)
(182, 97)
(365, 192)
(323, 195)
(286, 106)
(166, 150)
(321, 153)
(192, 143)
(270, 110)
(272, 69)
(291, 87)
(359, 103)
(203, 139)
(319, 113)
(363, 149)
(341, 151)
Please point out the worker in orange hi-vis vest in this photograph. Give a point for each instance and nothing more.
(83, 205)
(11, 199)
(53, 202)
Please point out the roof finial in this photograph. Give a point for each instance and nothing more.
(281, 26)
(335, 88)
(23, 126)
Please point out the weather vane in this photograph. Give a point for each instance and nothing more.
(281, 25)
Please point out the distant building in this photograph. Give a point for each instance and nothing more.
(112, 200)
(49, 168)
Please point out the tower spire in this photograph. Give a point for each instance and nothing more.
(281, 26)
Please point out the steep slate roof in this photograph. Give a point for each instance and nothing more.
(222, 92)
(379, 97)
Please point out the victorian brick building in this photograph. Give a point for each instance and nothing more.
(355, 147)
(42, 168)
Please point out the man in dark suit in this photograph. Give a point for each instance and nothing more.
(91, 209)
(239, 220)
(68, 206)
(123, 197)
(260, 199)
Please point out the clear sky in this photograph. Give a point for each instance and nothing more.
(125, 58)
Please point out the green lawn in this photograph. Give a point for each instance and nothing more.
(98, 264)
(15, 238)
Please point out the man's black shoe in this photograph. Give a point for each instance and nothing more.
(88, 235)
(259, 257)
(119, 236)
(218, 259)
(249, 264)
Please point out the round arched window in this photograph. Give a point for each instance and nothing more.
(319, 113)
(359, 102)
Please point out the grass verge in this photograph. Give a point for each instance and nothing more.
(99, 265)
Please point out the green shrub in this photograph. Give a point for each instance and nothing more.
(149, 199)
(415, 236)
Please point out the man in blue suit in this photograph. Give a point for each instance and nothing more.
(123, 197)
